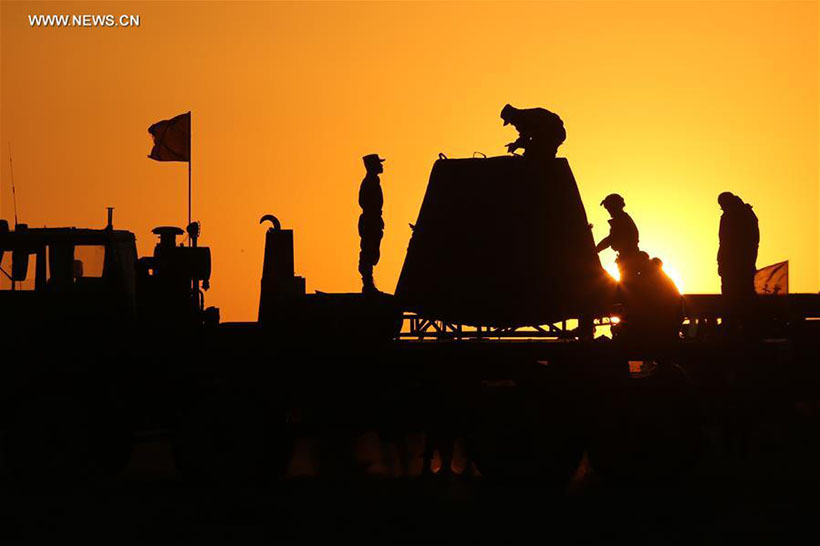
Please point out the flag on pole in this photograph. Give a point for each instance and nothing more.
(773, 279)
(172, 139)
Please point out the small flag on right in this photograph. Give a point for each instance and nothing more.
(773, 279)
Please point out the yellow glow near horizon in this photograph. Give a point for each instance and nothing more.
(676, 277)
(667, 103)
(612, 269)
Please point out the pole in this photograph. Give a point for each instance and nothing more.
(194, 282)
(13, 190)
(190, 149)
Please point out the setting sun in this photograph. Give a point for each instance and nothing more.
(612, 269)
(673, 274)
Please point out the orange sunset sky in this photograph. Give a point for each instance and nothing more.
(667, 103)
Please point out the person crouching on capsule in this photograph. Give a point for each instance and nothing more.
(540, 131)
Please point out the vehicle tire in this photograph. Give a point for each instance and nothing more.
(230, 437)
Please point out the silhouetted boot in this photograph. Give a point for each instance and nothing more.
(368, 286)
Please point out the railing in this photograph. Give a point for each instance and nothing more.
(421, 328)
(702, 314)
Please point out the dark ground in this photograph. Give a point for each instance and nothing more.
(768, 497)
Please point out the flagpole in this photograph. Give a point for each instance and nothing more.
(191, 139)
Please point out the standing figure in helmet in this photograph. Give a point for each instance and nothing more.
(622, 238)
(371, 225)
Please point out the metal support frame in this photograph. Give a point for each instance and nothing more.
(420, 328)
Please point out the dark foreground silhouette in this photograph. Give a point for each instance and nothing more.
(769, 496)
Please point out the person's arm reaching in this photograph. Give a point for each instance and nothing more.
(521, 142)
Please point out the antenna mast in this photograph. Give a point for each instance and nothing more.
(13, 191)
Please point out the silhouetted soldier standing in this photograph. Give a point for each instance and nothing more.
(622, 238)
(739, 237)
(540, 131)
(371, 225)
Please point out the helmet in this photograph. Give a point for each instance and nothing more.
(726, 199)
(613, 199)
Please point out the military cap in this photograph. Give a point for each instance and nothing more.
(372, 159)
